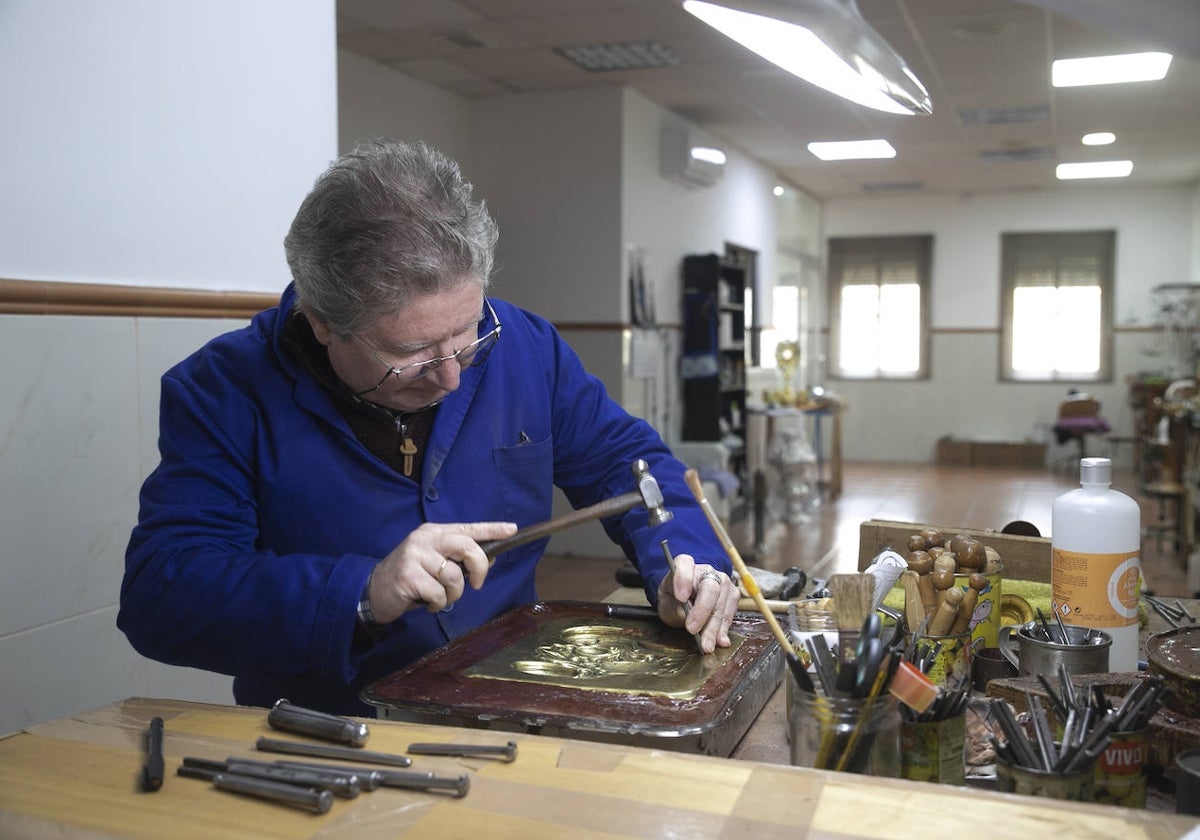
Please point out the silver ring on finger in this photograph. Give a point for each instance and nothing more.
(712, 574)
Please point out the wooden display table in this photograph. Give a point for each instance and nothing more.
(77, 777)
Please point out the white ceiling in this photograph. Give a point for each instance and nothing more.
(970, 54)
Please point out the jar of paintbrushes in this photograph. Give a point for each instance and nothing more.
(845, 715)
(851, 734)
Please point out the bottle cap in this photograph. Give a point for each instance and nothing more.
(1095, 471)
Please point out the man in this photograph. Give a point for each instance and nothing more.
(329, 472)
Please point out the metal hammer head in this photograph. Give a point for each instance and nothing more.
(652, 496)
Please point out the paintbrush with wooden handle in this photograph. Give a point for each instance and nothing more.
(739, 566)
(853, 599)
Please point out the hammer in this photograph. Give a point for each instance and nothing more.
(647, 494)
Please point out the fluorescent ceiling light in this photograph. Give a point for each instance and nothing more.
(852, 150)
(1099, 138)
(1094, 169)
(826, 43)
(708, 154)
(777, 191)
(1110, 69)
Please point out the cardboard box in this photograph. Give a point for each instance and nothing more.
(986, 454)
(1025, 558)
(953, 452)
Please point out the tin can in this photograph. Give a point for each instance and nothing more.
(952, 661)
(1187, 782)
(1078, 786)
(985, 618)
(1121, 770)
(932, 751)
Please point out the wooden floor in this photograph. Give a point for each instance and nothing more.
(977, 498)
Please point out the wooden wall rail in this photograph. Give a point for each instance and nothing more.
(41, 297)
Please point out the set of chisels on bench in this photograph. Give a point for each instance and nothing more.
(345, 771)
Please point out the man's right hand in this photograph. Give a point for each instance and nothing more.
(432, 566)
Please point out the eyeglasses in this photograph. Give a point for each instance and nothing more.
(470, 356)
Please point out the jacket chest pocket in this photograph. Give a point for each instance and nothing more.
(525, 476)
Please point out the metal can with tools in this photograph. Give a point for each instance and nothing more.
(950, 658)
(1121, 770)
(1076, 786)
(985, 614)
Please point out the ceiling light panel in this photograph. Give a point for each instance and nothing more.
(1098, 138)
(1110, 69)
(853, 150)
(1094, 169)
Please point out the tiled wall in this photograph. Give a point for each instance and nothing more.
(78, 433)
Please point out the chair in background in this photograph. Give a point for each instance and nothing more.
(1078, 418)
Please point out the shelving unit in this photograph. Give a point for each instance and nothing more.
(714, 352)
(1179, 321)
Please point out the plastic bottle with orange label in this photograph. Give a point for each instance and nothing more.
(1095, 570)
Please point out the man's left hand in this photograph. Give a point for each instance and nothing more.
(713, 597)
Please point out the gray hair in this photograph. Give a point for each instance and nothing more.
(383, 223)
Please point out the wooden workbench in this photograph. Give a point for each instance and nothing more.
(77, 778)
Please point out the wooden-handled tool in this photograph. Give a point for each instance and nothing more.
(774, 605)
(947, 611)
(748, 582)
(976, 583)
(914, 605)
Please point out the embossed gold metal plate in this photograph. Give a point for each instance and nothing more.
(622, 679)
(635, 657)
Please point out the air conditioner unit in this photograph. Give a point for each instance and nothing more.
(689, 159)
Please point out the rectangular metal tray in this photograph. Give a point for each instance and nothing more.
(570, 669)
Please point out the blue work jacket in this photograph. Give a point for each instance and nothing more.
(259, 527)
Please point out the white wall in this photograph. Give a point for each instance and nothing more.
(160, 144)
(902, 421)
(549, 166)
(374, 101)
(145, 143)
(1195, 275)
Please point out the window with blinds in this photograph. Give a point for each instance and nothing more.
(879, 302)
(1056, 306)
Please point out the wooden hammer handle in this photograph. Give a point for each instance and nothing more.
(609, 507)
